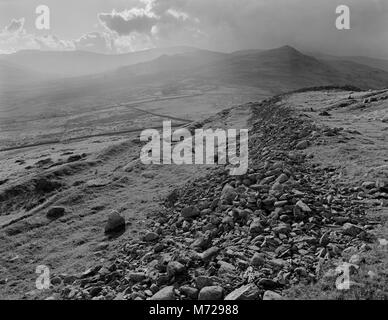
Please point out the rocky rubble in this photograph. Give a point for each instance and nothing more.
(246, 237)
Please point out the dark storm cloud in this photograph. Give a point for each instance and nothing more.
(149, 17)
(236, 24)
(126, 22)
(15, 25)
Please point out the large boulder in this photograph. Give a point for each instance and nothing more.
(115, 223)
(190, 212)
(166, 293)
(175, 268)
(209, 253)
(211, 293)
(150, 236)
(256, 227)
(247, 292)
(301, 210)
(228, 194)
(258, 259)
(271, 295)
(55, 212)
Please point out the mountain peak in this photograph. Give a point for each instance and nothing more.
(284, 52)
(286, 49)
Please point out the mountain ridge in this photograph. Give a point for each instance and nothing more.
(276, 70)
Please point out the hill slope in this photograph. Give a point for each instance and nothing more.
(381, 64)
(80, 63)
(279, 70)
(14, 75)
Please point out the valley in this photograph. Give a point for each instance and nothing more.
(70, 146)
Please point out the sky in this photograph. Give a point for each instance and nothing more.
(120, 26)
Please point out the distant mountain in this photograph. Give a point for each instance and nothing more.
(281, 69)
(371, 62)
(272, 71)
(182, 63)
(368, 61)
(81, 63)
(278, 70)
(288, 68)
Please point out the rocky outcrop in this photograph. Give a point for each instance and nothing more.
(246, 237)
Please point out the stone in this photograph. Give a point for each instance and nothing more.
(95, 183)
(280, 204)
(69, 279)
(55, 212)
(351, 229)
(175, 268)
(368, 185)
(95, 291)
(301, 209)
(45, 185)
(56, 281)
(278, 263)
(302, 272)
(258, 259)
(267, 283)
(74, 158)
(255, 227)
(116, 223)
(228, 194)
(203, 281)
(119, 297)
(166, 293)
(225, 268)
(211, 293)
(281, 228)
(189, 292)
(148, 175)
(209, 253)
(136, 276)
(304, 207)
(271, 295)
(355, 259)
(302, 145)
(190, 212)
(247, 292)
(277, 187)
(150, 236)
(282, 178)
(201, 242)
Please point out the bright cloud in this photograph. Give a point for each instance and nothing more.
(225, 25)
